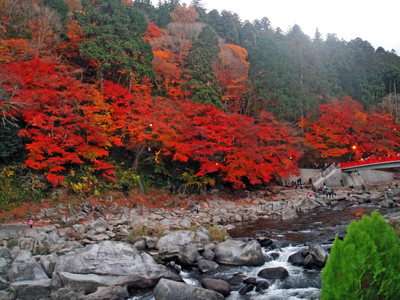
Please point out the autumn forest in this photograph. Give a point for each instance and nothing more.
(99, 95)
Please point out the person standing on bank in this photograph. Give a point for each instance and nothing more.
(30, 223)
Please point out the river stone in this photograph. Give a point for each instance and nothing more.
(262, 285)
(87, 207)
(206, 265)
(48, 262)
(115, 259)
(319, 254)
(296, 259)
(307, 204)
(288, 213)
(236, 279)
(185, 223)
(151, 243)
(185, 255)
(172, 290)
(86, 284)
(32, 289)
(65, 247)
(140, 244)
(264, 241)
(98, 237)
(24, 267)
(250, 280)
(176, 238)
(202, 235)
(109, 293)
(217, 285)
(208, 254)
(273, 273)
(245, 289)
(5, 262)
(308, 261)
(239, 253)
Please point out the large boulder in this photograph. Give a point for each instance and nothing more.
(307, 204)
(112, 258)
(24, 267)
(319, 255)
(86, 284)
(207, 265)
(5, 263)
(185, 255)
(48, 262)
(200, 237)
(182, 246)
(31, 289)
(273, 273)
(297, 259)
(239, 253)
(217, 285)
(172, 290)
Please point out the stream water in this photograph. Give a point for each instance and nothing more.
(290, 236)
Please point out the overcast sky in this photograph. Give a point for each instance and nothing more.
(375, 21)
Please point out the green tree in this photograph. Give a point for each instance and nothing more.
(365, 264)
(114, 38)
(201, 81)
(200, 9)
(164, 16)
(231, 24)
(60, 6)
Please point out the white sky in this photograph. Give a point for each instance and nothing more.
(378, 22)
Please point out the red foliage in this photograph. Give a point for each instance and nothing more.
(233, 146)
(345, 130)
(64, 119)
(229, 146)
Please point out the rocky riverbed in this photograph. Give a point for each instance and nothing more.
(82, 254)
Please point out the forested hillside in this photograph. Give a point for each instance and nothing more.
(100, 95)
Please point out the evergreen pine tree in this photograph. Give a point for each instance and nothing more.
(201, 80)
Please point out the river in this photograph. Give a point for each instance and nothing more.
(290, 236)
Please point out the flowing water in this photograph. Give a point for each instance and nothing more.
(290, 236)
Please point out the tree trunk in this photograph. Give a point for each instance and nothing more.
(135, 167)
(101, 78)
(130, 81)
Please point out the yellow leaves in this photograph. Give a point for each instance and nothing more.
(7, 171)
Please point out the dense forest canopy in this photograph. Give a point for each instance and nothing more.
(112, 94)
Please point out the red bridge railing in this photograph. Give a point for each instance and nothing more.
(371, 160)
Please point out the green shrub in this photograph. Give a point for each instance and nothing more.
(365, 264)
(138, 232)
(217, 234)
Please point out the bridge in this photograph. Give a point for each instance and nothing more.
(372, 163)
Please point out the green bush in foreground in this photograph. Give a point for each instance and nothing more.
(365, 264)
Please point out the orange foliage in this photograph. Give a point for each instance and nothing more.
(14, 50)
(232, 74)
(182, 14)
